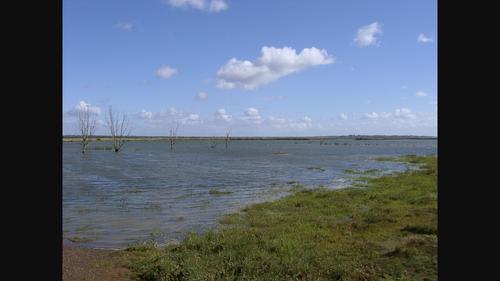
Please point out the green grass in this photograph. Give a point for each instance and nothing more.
(215, 191)
(78, 239)
(317, 168)
(362, 172)
(386, 231)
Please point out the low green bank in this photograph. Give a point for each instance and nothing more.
(386, 231)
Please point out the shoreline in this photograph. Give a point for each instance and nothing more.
(125, 261)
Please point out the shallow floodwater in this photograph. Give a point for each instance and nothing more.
(111, 200)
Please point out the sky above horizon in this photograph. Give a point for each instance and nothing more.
(256, 68)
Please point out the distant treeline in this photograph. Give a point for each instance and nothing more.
(353, 137)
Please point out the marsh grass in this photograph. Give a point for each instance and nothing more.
(215, 191)
(317, 168)
(80, 239)
(385, 231)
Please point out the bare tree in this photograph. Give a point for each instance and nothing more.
(118, 126)
(213, 143)
(227, 138)
(87, 122)
(173, 136)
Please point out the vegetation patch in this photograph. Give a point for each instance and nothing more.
(214, 191)
(380, 232)
(362, 172)
(78, 239)
(317, 168)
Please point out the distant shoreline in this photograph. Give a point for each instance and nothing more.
(163, 138)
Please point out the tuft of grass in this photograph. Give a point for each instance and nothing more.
(317, 168)
(78, 239)
(362, 172)
(421, 229)
(214, 191)
(382, 232)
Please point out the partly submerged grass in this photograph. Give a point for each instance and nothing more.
(387, 231)
(215, 191)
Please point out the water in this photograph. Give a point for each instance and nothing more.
(113, 199)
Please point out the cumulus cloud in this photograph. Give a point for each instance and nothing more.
(193, 117)
(84, 106)
(221, 114)
(145, 114)
(424, 39)
(217, 6)
(166, 72)
(372, 115)
(343, 116)
(124, 26)
(421, 94)
(295, 125)
(366, 35)
(252, 114)
(202, 96)
(405, 113)
(273, 64)
(207, 5)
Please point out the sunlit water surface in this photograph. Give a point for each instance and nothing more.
(111, 200)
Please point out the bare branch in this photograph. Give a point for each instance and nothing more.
(173, 136)
(118, 126)
(87, 123)
(227, 138)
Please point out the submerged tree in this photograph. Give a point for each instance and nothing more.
(87, 123)
(173, 136)
(118, 126)
(227, 138)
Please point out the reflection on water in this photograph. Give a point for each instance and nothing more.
(113, 199)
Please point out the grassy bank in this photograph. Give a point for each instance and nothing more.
(385, 231)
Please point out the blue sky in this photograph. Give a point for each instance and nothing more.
(263, 68)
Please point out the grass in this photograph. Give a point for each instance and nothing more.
(214, 191)
(78, 239)
(386, 231)
(362, 172)
(316, 168)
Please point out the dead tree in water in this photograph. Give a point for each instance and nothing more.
(173, 136)
(227, 138)
(87, 123)
(118, 127)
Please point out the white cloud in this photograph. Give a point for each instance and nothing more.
(306, 119)
(404, 113)
(366, 35)
(193, 117)
(343, 116)
(372, 115)
(212, 5)
(424, 39)
(421, 94)
(252, 114)
(166, 72)
(273, 64)
(221, 114)
(125, 26)
(84, 106)
(146, 114)
(217, 5)
(202, 96)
